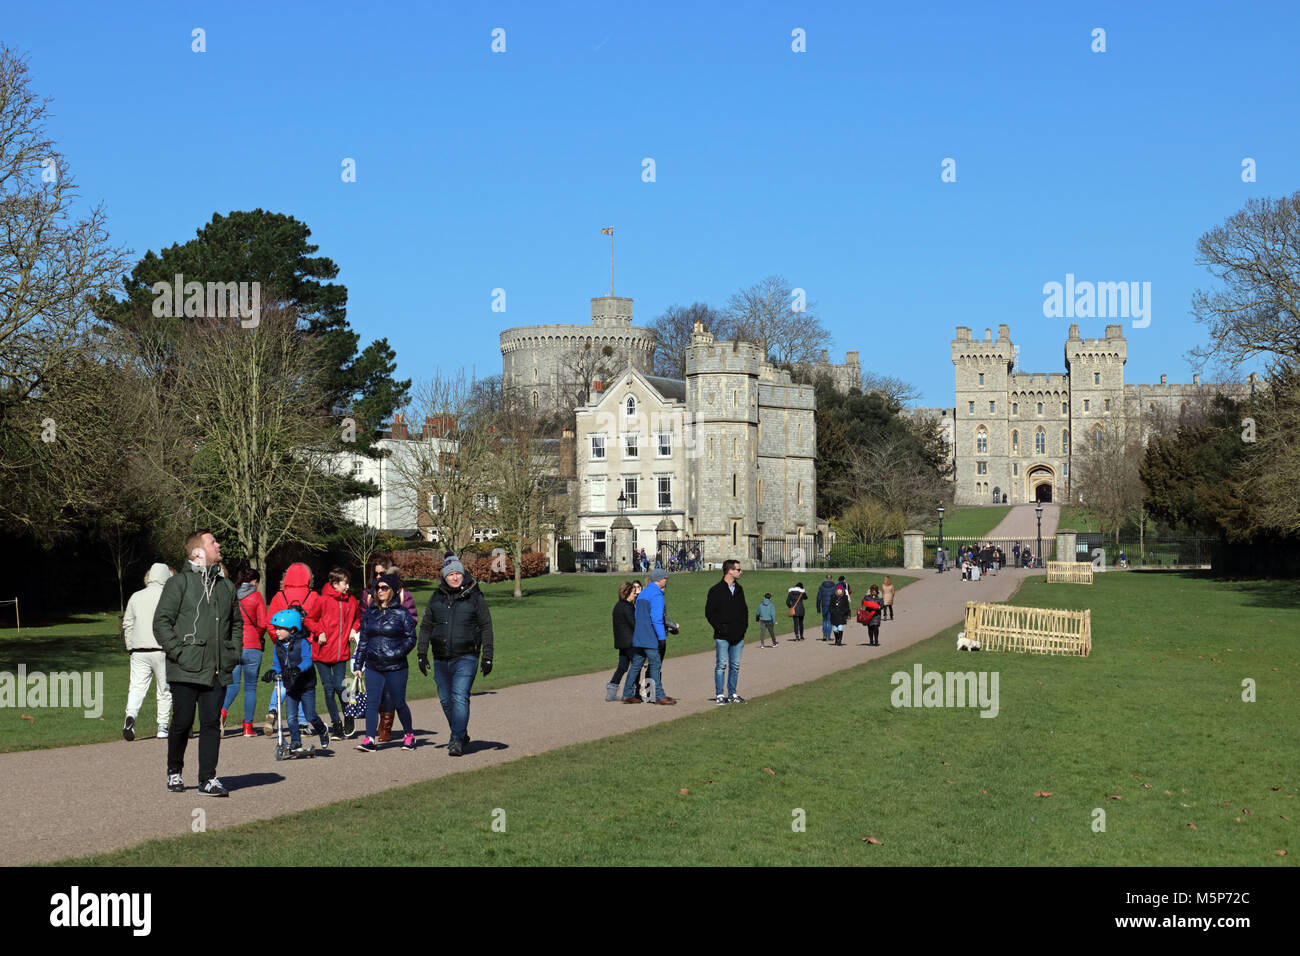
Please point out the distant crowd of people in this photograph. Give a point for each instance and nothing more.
(683, 559)
(976, 561)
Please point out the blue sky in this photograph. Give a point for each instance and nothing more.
(478, 170)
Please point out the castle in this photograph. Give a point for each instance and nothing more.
(1014, 434)
(728, 453)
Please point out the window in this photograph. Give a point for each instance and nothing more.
(1065, 443)
(972, 408)
(1107, 405)
(1040, 442)
(1015, 468)
(981, 467)
(1152, 408)
(798, 493)
(1096, 437)
(733, 484)
(665, 443)
(1065, 407)
(1096, 378)
(598, 542)
(534, 373)
(981, 441)
(1015, 443)
(734, 528)
(356, 467)
(735, 448)
(629, 489)
(981, 378)
(992, 408)
(1065, 469)
(734, 399)
(1015, 408)
(630, 449)
(710, 448)
(1086, 404)
(760, 491)
(1040, 408)
(434, 504)
(598, 494)
(597, 447)
(630, 406)
(665, 483)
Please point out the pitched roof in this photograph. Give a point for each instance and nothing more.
(672, 389)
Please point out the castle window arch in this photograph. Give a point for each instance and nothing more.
(1015, 443)
(1040, 441)
(1096, 437)
(1040, 408)
(1065, 442)
(981, 441)
(534, 401)
(630, 406)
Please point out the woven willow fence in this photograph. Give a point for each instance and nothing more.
(1006, 627)
(1069, 572)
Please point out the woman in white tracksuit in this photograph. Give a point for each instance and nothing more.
(148, 662)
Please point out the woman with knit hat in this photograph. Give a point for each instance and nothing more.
(386, 639)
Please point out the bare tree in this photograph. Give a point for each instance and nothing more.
(1106, 477)
(770, 314)
(895, 391)
(673, 332)
(519, 484)
(1256, 254)
(886, 472)
(584, 366)
(52, 265)
(443, 467)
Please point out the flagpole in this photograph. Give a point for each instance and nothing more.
(611, 263)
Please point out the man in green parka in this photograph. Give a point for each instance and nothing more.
(199, 627)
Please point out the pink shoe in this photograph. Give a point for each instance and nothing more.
(408, 742)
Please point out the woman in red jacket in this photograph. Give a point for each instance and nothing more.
(253, 609)
(331, 649)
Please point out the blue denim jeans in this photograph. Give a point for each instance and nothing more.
(639, 656)
(331, 682)
(455, 678)
(826, 624)
(300, 709)
(390, 686)
(250, 661)
(728, 657)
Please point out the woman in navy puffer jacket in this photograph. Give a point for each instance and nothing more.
(387, 638)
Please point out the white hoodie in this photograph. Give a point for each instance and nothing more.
(137, 622)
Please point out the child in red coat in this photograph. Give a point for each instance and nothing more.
(331, 649)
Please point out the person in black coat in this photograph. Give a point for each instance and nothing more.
(726, 611)
(624, 625)
(458, 625)
(840, 611)
(386, 638)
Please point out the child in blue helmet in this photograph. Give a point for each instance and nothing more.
(292, 661)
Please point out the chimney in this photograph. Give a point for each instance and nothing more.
(1196, 378)
(825, 357)
(1164, 379)
(399, 428)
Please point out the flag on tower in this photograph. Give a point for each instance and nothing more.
(607, 231)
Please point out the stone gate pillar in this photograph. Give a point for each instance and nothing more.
(913, 550)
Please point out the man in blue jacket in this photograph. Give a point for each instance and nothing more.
(646, 635)
(824, 595)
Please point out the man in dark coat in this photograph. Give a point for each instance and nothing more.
(199, 626)
(726, 611)
(824, 595)
(458, 625)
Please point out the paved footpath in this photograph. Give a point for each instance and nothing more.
(73, 801)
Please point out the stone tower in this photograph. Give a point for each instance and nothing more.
(983, 380)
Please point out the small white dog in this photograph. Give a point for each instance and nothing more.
(966, 645)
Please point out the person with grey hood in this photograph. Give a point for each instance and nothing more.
(148, 662)
(458, 625)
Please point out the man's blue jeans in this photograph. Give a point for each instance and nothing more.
(728, 656)
(455, 679)
(826, 623)
(250, 661)
(639, 656)
(331, 681)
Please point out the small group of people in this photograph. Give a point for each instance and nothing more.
(975, 561)
(1023, 557)
(641, 627)
(199, 636)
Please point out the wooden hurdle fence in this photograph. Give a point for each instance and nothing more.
(1069, 572)
(1037, 630)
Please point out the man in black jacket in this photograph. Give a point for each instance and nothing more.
(459, 626)
(725, 609)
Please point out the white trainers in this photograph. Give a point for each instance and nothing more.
(736, 699)
(722, 699)
(162, 733)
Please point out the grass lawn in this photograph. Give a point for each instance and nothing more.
(967, 521)
(1079, 518)
(561, 627)
(1151, 729)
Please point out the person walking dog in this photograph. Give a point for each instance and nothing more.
(725, 609)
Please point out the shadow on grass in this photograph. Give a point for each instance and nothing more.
(61, 653)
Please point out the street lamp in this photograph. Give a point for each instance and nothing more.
(622, 502)
(941, 526)
(1038, 510)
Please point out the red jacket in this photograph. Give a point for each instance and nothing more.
(256, 620)
(340, 615)
(296, 589)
